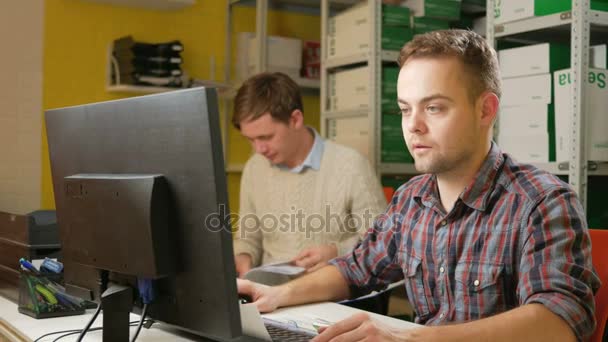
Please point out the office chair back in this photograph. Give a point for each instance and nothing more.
(388, 193)
(599, 254)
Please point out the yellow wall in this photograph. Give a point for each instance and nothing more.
(78, 33)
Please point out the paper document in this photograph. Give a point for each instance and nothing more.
(281, 268)
(251, 322)
(275, 273)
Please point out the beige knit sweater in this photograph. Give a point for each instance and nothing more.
(282, 212)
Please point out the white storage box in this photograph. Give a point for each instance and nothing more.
(350, 131)
(526, 90)
(597, 114)
(526, 148)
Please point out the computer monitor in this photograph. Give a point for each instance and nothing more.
(176, 138)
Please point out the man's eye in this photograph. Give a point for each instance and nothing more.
(405, 111)
(433, 109)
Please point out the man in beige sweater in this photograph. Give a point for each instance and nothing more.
(302, 199)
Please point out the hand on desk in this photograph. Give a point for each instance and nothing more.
(266, 298)
(362, 326)
(313, 258)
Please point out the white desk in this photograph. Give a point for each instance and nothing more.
(34, 328)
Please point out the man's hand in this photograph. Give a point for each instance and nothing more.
(266, 298)
(362, 327)
(313, 258)
(243, 264)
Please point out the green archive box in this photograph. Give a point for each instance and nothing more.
(508, 10)
(393, 148)
(439, 9)
(395, 16)
(394, 37)
(546, 7)
(424, 25)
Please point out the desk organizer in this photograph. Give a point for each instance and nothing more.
(41, 296)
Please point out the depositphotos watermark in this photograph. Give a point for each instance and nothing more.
(297, 220)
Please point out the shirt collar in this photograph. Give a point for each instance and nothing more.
(476, 194)
(313, 159)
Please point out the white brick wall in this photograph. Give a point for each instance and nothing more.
(21, 60)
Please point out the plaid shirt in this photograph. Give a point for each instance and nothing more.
(516, 235)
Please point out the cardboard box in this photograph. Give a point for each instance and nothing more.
(598, 57)
(439, 9)
(524, 120)
(284, 55)
(349, 34)
(349, 82)
(526, 148)
(597, 117)
(349, 89)
(350, 131)
(533, 59)
(395, 15)
(528, 120)
(526, 90)
(512, 10)
(424, 25)
(394, 37)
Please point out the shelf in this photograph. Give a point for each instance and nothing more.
(165, 5)
(127, 88)
(335, 62)
(552, 28)
(308, 83)
(551, 21)
(302, 6)
(308, 86)
(555, 168)
(346, 113)
(139, 89)
(389, 56)
(398, 168)
(599, 18)
(235, 168)
(561, 169)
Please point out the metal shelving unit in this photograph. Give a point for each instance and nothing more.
(262, 6)
(576, 27)
(163, 5)
(374, 58)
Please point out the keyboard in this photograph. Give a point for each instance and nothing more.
(284, 332)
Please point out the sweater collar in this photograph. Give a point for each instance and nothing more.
(313, 159)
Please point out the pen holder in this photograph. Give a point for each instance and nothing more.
(41, 297)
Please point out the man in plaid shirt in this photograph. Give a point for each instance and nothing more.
(489, 249)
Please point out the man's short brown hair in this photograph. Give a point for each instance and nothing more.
(478, 57)
(273, 93)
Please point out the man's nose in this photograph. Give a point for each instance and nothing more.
(259, 147)
(415, 122)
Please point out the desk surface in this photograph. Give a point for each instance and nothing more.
(34, 328)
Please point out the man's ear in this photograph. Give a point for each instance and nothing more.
(489, 103)
(296, 120)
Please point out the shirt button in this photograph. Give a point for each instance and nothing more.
(441, 316)
(444, 222)
(441, 269)
(476, 282)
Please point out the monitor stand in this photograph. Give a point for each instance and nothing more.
(116, 302)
